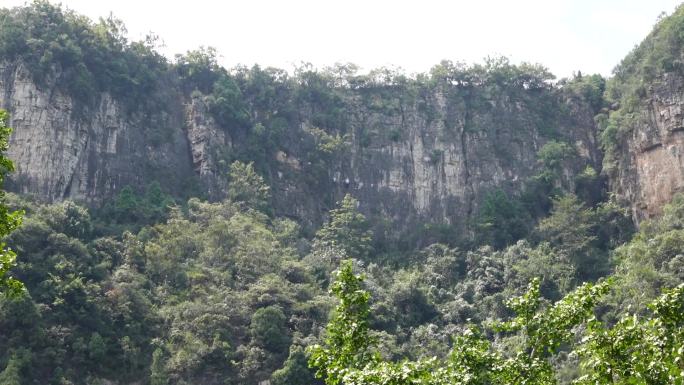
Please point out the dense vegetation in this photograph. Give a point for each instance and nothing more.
(9, 220)
(316, 115)
(551, 284)
(646, 66)
(633, 351)
(87, 58)
(227, 293)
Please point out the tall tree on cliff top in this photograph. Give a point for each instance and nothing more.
(9, 220)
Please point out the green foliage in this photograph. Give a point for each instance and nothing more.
(199, 70)
(589, 88)
(216, 293)
(269, 329)
(410, 301)
(246, 186)
(614, 130)
(295, 371)
(650, 261)
(590, 186)
(346, 231)
(11, 375)
(426, 234)
(553, 153)
(638, 350)
(328, 144)
(523, 263)
(501, 220)
(347, 342)
(657, 55)
(570, 227)
(132, 210)
(495, 71)
(66, 272)
(226, 103)
(317, 90)
(9, 285)
(68, 218)
(584, 234)
(158, 373)
(211, 295)
(546, 331)
(347, 356)
(9, 220)
(554, 157)
(83, 58)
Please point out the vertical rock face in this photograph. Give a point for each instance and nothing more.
(46, 143)
(415, 167)
(62, 152)
(206, 139)
(452, 169)
(411, 158)
(650, 164)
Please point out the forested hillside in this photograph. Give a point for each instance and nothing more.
(94, 114)
(184, 223)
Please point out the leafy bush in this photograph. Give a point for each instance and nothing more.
(82, 57)
(501, 220)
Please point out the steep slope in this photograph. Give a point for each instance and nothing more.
(429, 150)
(644, 134)
(62, 155)
(94, 113)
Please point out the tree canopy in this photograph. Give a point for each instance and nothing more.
(9, 220)
(633, 351)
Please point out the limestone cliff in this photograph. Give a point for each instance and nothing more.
(650, 164)
(204, 136)
(61, 152)
(439, 166)
(94, 112)
(644, 136)
(412, 157)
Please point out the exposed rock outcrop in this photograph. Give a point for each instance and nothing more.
(428, 157)
(650, 164)
(62, 151)
(206, 138)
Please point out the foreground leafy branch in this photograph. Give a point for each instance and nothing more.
(638, 350)
(631, 352)
(347, 345)
(9, 220)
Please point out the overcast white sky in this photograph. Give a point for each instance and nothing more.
(564, 35)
